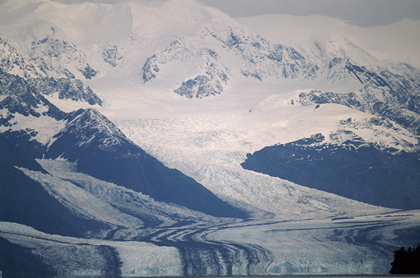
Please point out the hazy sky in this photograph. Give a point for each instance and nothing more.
(360, 12)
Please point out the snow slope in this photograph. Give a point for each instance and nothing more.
(393, 42)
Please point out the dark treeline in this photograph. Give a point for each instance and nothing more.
(406, 261)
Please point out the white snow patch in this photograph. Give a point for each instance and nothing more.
(68, 105)
(41, 129)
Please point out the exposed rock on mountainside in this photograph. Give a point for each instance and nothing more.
(354, 169)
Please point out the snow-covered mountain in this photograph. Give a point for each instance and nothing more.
(167, 138)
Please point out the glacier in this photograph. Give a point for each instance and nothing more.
(124, 129)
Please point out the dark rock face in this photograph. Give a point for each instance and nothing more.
(12, 155)
(24, 201)
(150, 68)
(43, 76)
(204, 85)
(51, 54)
(66, 88)
(20, 97)
(355, 170)
(111, 55)
(198, 87)
(17, 261)
(377, 101)
(10, 58)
